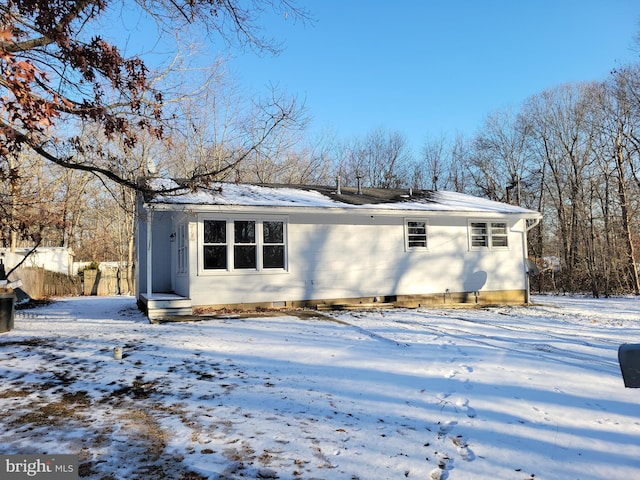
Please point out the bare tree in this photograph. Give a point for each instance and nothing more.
(380, 159)
(562, 139)
(54, 72)
(618, 126)
(458, 177)
(432, 170)
(500, 165)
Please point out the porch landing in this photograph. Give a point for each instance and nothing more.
(159, 305)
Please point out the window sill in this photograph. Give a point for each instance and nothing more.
(241, 272)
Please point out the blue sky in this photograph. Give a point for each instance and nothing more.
(433, 67)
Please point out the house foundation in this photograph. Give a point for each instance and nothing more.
(441, 300)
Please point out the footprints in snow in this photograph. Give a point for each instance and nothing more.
(462, 368)
(463, 405)
(445, 461)
(459, 405)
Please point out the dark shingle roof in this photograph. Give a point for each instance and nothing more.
(369, 196)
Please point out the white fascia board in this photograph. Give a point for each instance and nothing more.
(355, 210)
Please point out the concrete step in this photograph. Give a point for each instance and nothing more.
(157, 313)
(169, 304)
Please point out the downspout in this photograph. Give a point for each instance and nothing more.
(527, 227)
(149, 252)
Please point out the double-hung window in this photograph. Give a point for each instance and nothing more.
(488, 235)
(214, 253)
(273, 244)
(244, 245)
(415, 234)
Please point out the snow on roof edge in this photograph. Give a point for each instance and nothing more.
(247, 195)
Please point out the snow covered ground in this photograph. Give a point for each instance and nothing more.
(499, 393)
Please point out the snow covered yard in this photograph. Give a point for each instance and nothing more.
(499, 393)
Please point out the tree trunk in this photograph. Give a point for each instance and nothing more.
(626, 224)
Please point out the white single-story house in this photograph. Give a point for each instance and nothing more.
(245, 246)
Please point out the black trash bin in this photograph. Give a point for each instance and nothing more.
(629, 359)
(7, 301)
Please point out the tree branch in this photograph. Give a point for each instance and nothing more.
(25, 257)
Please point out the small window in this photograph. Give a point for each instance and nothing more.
(416, 234)
(499, 234)
(479, 235)
(488, 235)
(215, 244)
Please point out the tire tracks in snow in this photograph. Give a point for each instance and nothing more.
(534, 347)
(368, 333)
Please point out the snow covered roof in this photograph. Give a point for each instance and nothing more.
(267, 195)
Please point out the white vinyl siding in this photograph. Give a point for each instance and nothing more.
(336, 255)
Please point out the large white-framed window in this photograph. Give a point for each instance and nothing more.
(243, 245)
(488, 235)
(415, 234)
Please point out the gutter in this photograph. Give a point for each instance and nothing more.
(370, 209)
